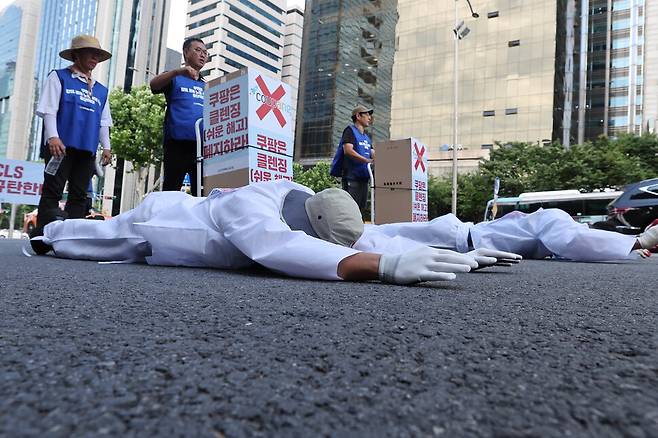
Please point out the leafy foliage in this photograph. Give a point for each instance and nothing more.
(137, 132)
(527, 167)
(316, 178)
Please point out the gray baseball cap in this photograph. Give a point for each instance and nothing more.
(361, 109)
(330, 215)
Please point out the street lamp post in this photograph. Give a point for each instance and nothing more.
(460, 31)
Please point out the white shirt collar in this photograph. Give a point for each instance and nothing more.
(82, 77)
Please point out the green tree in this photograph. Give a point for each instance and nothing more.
(439, 196)
(137, 132)
(644, 148)
(316, 178)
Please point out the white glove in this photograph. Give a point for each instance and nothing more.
(423, 264)
(649, 238)
(490, 257)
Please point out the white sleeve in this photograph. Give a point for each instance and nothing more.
(250, 219)
(50, 126)
(49, 100)
(106, 117)
(105, 137)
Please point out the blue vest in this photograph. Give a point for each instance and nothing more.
(79, 114)
(184, 107)
(354, 169)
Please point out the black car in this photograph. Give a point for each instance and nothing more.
(636, 208)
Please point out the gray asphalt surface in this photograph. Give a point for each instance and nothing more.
(542, 349)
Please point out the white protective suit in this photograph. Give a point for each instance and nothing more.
(231, 229)
(226, 230)
(534, 236)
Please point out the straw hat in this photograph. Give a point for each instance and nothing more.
(85, 42)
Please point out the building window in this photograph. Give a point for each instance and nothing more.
(253, 33)
(202, 10)
(486, 146)
(488, 113)
(251, 58)
(493, 14)
(255, 21)
(513, 43)
(250, 5)
(203, 34)
(201, 23)
(252, 46)
(510, 111)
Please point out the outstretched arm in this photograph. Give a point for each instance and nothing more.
(362, 266)
(417, 265)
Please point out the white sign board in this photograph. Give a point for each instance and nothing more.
(267, 166)
(225, 117)
(419, 171)
(20, 181)
(270, 114)
(248, 125)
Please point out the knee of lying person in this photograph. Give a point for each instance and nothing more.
(554, 216)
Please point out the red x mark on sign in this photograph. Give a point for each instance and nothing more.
(271, 99)
(419, 157)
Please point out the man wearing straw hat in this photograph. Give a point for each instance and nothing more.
(76, 117)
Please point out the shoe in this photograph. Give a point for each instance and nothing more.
(39, 246)
(649, 238)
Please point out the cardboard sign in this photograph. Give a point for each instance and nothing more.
(419, 171)
(248, 120)
(267, 166)
(20, 181)
(270, 114)
(225, 117)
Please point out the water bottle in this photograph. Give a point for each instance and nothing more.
(53, 164)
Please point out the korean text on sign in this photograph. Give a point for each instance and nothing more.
(20, 181)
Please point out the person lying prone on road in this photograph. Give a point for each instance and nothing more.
(291, 230)
(321, 236)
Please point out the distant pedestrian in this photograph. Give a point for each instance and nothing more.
(183, 89)
(76, 117)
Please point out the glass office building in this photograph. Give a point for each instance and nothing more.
(347, 59)
(10, 30)
(531, 70)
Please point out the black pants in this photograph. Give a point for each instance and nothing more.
(358, 189)
(76, 169)
(179, 159)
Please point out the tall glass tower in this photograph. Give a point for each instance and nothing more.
(10, 25)
(347, 59)
(609, 69)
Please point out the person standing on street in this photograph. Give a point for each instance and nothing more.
(76, 117)
(183, 88)
(358, 153)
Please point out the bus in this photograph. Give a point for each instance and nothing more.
(583, 207)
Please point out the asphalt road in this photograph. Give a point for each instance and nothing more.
(543, 349)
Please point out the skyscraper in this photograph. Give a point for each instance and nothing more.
(292, 53)
(18, 28)
(531, 70)
(616, 51)
(239, 33)
(507, 77)
(347, 59)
